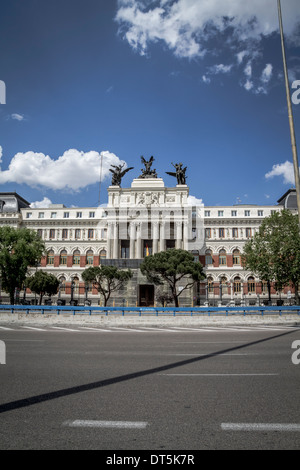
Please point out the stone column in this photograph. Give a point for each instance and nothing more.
(185, 235)
(116, 241)
(138, 252)
(178, 234)
(162, 238)
(155, 236)
(109, 239)
(132, 240)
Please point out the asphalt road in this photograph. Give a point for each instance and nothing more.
(149, 389)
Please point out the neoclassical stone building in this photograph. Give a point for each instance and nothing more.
(146, 218)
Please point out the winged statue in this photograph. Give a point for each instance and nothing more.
(118, 173)
(147, 172)
(179, 174)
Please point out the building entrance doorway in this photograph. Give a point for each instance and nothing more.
(146, 295)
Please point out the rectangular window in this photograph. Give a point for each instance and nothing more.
(78, 215)
(248, 232)
(64, 233)
(247, 213)
(260, 213)
(207, 233)
(103, 234)
(220, 213)
(221, 232)
(124, 249)
(40, 232)
(41, 215)
(206, 213)
(233, 213)
(53, 215)
(66, 215)
(52, 233)
(90, 233)
(77, 233)
(92, 215)
(28, 215)
(234, 233)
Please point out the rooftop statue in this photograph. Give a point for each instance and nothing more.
(147, 172)
(117, 174)
(179, 174)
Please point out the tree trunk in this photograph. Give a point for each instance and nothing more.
(296, 284)
(12, 296)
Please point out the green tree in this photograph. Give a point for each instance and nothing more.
(19, 249)
(106, 279)
(42, 283)
(274, 251)
(173, 266)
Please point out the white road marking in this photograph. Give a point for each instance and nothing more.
(260, 427)
(5, 328)
(212, 353)
(65, 329)
(96, 329)
(106, 424)
(33, 328)
(216, 375)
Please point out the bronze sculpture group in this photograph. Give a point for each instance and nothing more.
(118, 172)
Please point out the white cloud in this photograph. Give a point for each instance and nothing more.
(41, 204)
(17, 117)
(220, 68)
(285, 169)
(267, 73)
(194, 201)
(248, 85)
(205, 79)
(248, 70)
(185, 25)
(73, 170)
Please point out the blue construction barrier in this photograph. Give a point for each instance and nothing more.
(170, 311)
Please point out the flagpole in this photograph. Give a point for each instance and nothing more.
(290, 114)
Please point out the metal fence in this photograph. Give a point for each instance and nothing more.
(156, 311)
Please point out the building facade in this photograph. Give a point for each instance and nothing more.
(146, 218)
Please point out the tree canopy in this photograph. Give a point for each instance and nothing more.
(106, 279)
(19, 249)
(43, 283)
(274, 251)
(171, 267)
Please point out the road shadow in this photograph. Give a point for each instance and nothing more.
(34, 400)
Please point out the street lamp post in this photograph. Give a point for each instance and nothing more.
(290, 114)
(72, 291)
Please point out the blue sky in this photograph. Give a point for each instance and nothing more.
(183, 80)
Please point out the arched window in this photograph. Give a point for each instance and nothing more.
(102, 255)
(63, 257)
(237, 284)
(50, 257)
(222, 258)
(236, 257)
(210, 285)
(76, 257)
(62, 284)
(251, 284)
(223, 285)
(90, 258)
(208, 257)
(76, 284)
